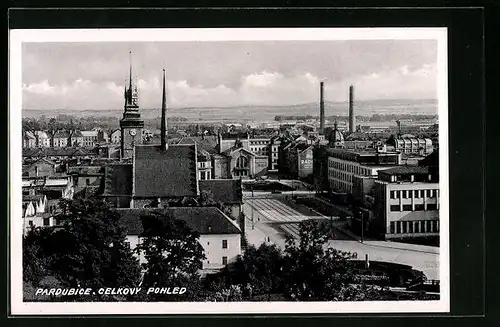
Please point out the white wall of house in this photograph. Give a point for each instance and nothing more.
(37, 221)
(212, 245)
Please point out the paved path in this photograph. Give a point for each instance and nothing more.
(273, 219)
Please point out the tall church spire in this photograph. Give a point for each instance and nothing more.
(130, 75)
(131, 95)
(164, 144)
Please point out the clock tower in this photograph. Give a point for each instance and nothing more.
(131, 124)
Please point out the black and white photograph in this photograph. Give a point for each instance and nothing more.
(195, 171)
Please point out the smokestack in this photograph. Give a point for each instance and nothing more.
(164, 144)
(321, 109)
(351, 110)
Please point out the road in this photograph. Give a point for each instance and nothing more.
(273, 219)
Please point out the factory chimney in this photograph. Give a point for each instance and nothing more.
(321, 109)
(164, 144)
(352, 120)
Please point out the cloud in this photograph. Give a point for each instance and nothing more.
(259, 88)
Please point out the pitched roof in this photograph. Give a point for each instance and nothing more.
(36, 197)
(85, 170)
(207, 144)
(118, 180)
(170, 173)
(224, 190)
(89, 133)
(405, 170)
(204, 220)
(432, 160)
(39, 161)
(76, 134)
(29, 135)
(61, 134)
(55, 152)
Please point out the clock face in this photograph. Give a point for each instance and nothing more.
(133, 132)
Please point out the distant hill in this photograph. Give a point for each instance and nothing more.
(259, 113)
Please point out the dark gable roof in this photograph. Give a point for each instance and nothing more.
(204, 220)
(223, 190)
(170, 173)
(432, 160)
(405, 170)
(118, 180)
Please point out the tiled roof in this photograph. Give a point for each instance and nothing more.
(405, 170)
(204, 220)
(36, 197)
(118, 180)
(76, 134)
(29, 135)
(421, 215)
(207, 144)
(432, 160)
(224, 190)
(61, 134)
(89, 133)
(170, 173)
(37, 162)
(85, 170)
(55, 152)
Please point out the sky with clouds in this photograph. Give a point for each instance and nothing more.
(201, 74)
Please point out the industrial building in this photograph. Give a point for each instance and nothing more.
(406, 203)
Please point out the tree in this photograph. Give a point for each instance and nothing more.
(35, 261)
(89, 250)
(314, 272)
(171, 250)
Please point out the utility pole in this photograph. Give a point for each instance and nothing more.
(362, 227)
(253, 226)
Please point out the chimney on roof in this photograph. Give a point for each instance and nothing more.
(164, 144)
(321, 108)
(351, 109)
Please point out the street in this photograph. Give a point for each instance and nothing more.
(269, 219)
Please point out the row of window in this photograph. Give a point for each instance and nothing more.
(224, 261)
(340, 175)
(259, 142)
(204, 164)
(417, 207)
(205, 175)
(347, 167)
(411, 227)
(339, 185)
(406, 194)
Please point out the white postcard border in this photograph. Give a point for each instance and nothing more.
(17, 37)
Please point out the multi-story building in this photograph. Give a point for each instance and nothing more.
(297, 160)
(204, 165)
(29, 140)
(89, 138)
(410, 144)
(406, 203)
(60, 139)
(344, 164)
(116, 136)
(220, 236)
(76, 139)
